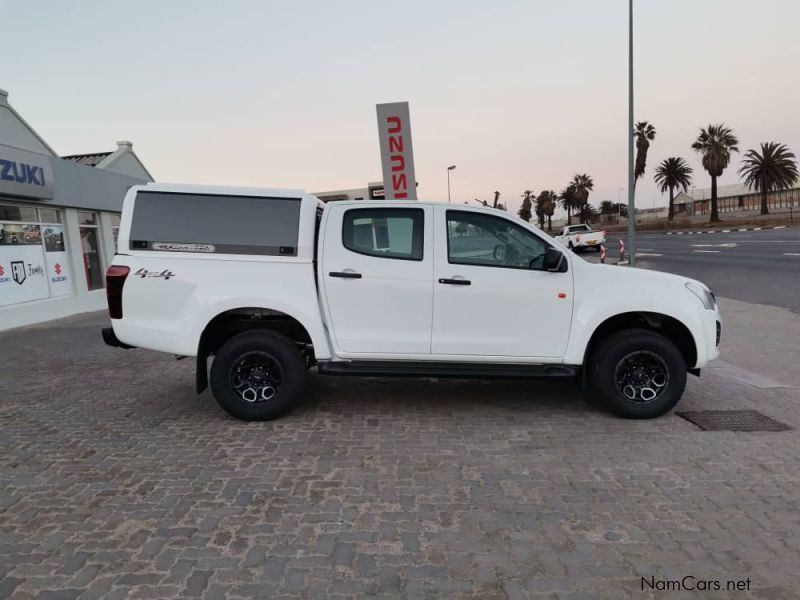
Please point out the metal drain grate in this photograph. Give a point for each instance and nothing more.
(732, 420)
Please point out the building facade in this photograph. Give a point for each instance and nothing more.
(736, 198)
(59, 217)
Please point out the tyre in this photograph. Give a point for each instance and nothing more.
(636, 374)
(258, 375)
(571, 247)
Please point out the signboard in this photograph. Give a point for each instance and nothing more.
(25, 174)
(376, 193)
(397, 156)
(22, 273)
(56, 260)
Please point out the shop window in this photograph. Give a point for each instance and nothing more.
(115, 228)
(10, 212)
(33, 258)
(90, 247)
(87, 218)
(49, 215)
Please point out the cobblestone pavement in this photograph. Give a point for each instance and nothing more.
(119, 482)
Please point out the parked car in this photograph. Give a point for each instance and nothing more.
(579, 237)
(272, 282)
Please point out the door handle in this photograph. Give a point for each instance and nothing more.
(455, 281)
(345, 274)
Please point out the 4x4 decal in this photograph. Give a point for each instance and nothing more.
(144, 273)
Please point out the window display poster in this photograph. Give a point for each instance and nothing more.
(56, 260)
(23, 275)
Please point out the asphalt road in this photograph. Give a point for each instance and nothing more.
(754, 266)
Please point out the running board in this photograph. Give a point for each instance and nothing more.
(371, 368)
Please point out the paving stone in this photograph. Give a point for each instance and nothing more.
(119, 482)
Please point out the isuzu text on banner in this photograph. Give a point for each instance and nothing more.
(397, 157)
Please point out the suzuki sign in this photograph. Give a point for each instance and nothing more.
(397, 157)
(25, 174)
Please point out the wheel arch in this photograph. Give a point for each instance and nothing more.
(670, 327)
(232, 321)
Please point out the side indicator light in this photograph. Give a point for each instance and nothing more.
(562, 295)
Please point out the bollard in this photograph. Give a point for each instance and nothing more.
(603, 253)
(621, 250)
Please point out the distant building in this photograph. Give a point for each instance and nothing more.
(733, 198)
(373, 191)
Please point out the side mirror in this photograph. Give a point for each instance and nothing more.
(554, 260)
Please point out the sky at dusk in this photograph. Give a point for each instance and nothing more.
(518, 94)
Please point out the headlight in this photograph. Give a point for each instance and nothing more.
(705, 295)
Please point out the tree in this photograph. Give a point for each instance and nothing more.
(715, 144)
(525, 209)
(566, 200)
(673, 172)
(582, 184)
(588, 213)
(644, 133)
(547, 200)
(773, 169)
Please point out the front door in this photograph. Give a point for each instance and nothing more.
(377, 271)
(492, 296)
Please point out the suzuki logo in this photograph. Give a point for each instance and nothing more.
(18, 271)
(21, 173)
(57, 269)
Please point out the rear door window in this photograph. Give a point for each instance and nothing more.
(384, 232)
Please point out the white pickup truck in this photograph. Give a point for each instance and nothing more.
(272, 283)
(579, 237)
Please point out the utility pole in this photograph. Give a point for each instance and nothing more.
(631, 181)
(450, 168)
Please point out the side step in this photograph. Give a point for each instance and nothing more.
(371, 368)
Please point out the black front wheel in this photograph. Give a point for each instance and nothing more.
(258, 375)
(637, 373)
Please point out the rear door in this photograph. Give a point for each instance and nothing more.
(377, 274)
(492, 297)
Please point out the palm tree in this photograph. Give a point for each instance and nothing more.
(773, 169)
(566, 200)
(673, 172)
(715, 143)
(583, 184)
(525, 210)
(644, 133)
(548, 200)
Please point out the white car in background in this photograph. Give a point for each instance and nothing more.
(578, 237)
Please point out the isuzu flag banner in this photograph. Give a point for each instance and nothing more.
(397, 156)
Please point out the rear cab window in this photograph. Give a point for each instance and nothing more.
(215, 223)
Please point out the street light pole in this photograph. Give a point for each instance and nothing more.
(631, 182)
(450, 168)
(619, 204)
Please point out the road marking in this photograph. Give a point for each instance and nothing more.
(725, 245)
(791, 253)
(647, 254)
(756, 228)
(780, 227)
(726, 231)
(706, 250)
(743, 229)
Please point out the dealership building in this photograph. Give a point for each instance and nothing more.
(59, 217)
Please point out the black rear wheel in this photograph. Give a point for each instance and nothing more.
(637, 373)
(258, 375)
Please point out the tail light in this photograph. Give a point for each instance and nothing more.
(115, 280)
(577, 238)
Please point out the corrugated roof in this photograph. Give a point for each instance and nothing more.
(89, 160)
